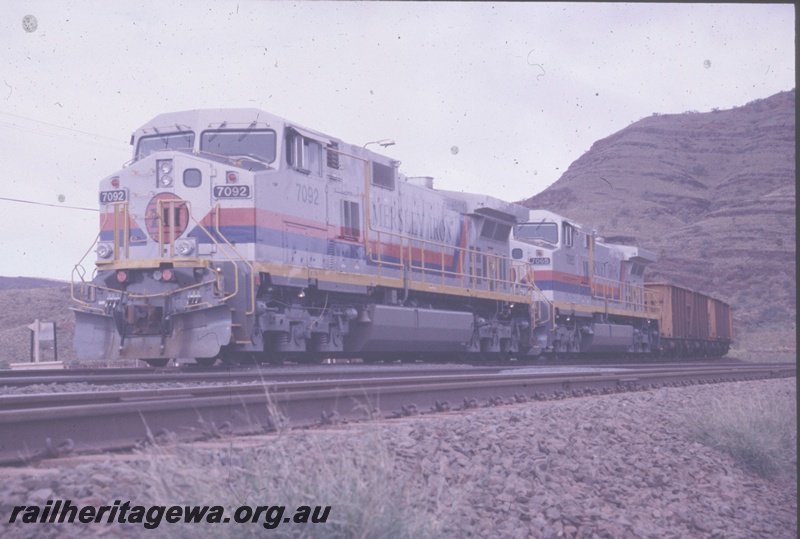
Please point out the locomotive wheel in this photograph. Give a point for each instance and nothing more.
(378, 357)
(205, 361)
(464, 357)
(157, 362)
(230, 360)
(484, 357)
(268, 358)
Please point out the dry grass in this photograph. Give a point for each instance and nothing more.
(369, 496)
(758, 430)
(780, 355)
(763, 345)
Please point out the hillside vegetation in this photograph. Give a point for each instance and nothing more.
(714, 195)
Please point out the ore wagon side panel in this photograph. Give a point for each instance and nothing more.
(721, 327)
(700, 322)
(686, 314)
(727, 319)
(712, 319)
(680, 327)
(661, 295)
(689, 314)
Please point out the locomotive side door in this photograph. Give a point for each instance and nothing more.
(304, 236)
(346, 226)
(490, 266)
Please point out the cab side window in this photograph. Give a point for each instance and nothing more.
(304, 154)
(568, 235)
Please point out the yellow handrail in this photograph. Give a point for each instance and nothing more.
(623, 295)
(78, 268)
(243, 259)
(521, 287)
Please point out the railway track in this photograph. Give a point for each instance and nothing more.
(257, 373)
(53, 424)
(104, 377)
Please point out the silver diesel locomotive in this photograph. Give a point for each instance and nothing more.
(234, 234)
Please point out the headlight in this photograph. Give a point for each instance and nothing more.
(163, 171)
(184, 248)
(104, 250)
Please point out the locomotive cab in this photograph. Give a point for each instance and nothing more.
(176, 231)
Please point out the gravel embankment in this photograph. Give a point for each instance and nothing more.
(615, 466)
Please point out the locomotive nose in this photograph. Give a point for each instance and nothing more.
(167, 217)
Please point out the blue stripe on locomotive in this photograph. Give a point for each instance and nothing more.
(277, 238)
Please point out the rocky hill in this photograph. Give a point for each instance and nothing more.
(714, 195)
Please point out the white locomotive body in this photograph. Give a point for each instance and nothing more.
(236, 233)
(595, 291)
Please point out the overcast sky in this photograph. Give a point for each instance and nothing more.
(493, 98)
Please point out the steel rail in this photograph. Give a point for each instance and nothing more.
(265, 374)
(134, 417)
(342, 380)
(109, 376)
